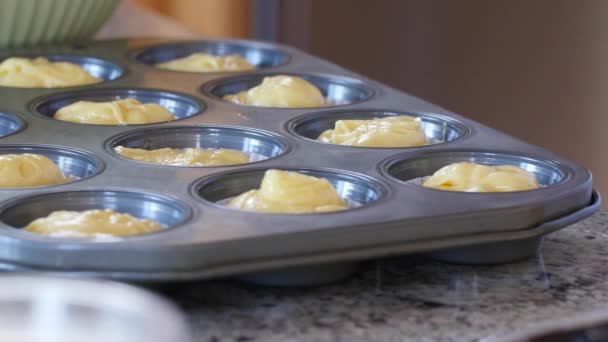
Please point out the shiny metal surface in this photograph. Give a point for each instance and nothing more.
(400, 218)
(167, 211)
(10, 124)
(74, 163)
(97, 67)
(408, 167)
(260, 145)
(503, 251)
(258, 54)
(182, 106)
(337, 90)
(356, 188)
(438, 129)
(43, 308)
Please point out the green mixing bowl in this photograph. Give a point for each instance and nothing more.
(35, 22)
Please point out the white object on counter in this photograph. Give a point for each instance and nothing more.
(42, 308)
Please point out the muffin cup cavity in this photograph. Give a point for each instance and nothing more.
(97, 67)
(75, 164)
(258, 54)
(337, 90)
(258, 144)
(182, 106)
(167, 211)
(438, 129)
(412, 168)
(356, 189)
(10, 124)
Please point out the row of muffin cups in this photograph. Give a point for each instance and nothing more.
(263, 145)
(260, 55)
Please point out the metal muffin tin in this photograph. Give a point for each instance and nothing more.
(204, 239)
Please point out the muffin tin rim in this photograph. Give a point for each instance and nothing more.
(36, 102)
(378, 185)
(124, 71)
(190, 212)
(370, 90)
(23, 124)
(99, 163)
(291, 124)
(108, 144)
(133, 54)
(384, 165)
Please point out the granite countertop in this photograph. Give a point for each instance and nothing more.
(412, 298)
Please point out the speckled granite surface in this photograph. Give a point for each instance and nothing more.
(412, 298)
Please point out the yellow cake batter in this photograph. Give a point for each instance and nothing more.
(394, 131)
(91, 223)
(40, 73)
(204, 62)
(120, 112)
(471, 177)
(185, 157)
(290, 193)
(282, 92)
(28, 170)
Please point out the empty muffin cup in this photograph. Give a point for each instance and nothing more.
(337, 90)
(259, 145)
(164, 210)
(408, 167)
(182, 106)
(75, 164)
(10, 124)
(258, 54)
(438, 129)
(356, 189)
